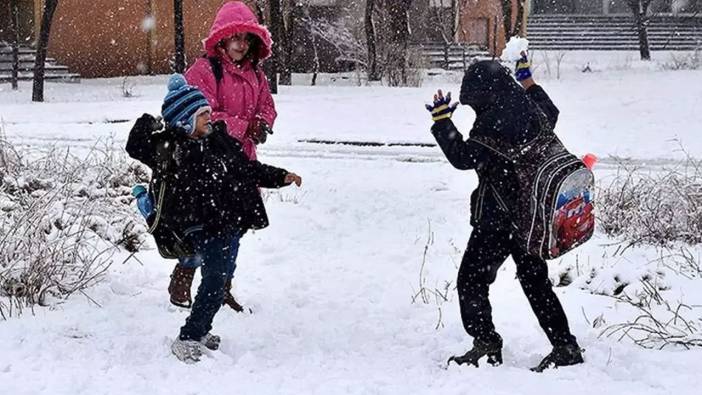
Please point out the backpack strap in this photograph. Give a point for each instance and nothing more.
(543, 137)
(164, 166)
(217, 68)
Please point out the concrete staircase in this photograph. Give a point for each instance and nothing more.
(54, 71)
(596, 32)
(450, 57)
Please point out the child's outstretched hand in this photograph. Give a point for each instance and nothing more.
(293, 178)
(442, 107)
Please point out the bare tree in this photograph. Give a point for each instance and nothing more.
(42, 46)
(640, 10)
(179, 65)
(507, 17)
(277, 25)
(445, 16)
(269, 68)
(14, 12)
(520, 23)
(397, 54)
(291, 13)
(516, 28)
(373, 71)
(349, 47)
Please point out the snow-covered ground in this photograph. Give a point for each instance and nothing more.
(331, 281)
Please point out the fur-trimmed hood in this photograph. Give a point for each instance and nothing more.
(236, 17)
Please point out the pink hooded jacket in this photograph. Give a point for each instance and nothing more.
(243, 93)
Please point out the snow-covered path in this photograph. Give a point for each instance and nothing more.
(331, 281)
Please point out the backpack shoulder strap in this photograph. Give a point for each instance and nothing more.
(161, 177)
(217, 69)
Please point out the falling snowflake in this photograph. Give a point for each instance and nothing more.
(148, 23)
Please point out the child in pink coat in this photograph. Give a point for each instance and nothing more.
(237, 44)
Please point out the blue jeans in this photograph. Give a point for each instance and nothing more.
(195, 261)
(217, 257)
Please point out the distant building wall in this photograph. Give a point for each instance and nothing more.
(126, 37)
(480, 23)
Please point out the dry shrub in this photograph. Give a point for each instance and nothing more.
(61, 220)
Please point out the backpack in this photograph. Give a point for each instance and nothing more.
(552, 211)
(170, 240)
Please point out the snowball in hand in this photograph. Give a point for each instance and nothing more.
(514, 49)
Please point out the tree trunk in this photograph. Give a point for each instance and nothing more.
(287, 44)
(278, 32)
(640, 10)
(315, 61)
(179, 64)
(519, 27)
(398, 10)
(42, 46)
(14, 12)
(373, 72)
(268, 67)
(642, 30)
(507, 18)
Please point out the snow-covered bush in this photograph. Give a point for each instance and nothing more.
(653, 219)
(61, 220)
(688, 61)
(658, 322)
(653, 207)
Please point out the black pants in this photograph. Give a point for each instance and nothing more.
(487, 250)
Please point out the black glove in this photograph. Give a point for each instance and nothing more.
(140, 142)
(148, 124)
(259, 131)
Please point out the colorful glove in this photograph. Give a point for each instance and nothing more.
(522, 71)
(442, 107)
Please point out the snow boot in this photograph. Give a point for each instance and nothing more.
(179, 287)
(187, 351)
(210, 341)
(493, 351)
(230, 301)
(560, 356)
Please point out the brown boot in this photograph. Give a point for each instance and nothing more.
(230, 301)
(179, 287)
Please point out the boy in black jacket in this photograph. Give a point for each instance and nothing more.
(504, 110)
(206, 194)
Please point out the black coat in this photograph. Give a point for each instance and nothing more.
(209, 182)
(504, 110)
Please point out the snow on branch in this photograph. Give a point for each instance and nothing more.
(62, 218)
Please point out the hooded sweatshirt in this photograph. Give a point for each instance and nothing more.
(504, 112)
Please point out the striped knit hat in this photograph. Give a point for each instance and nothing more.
(183, 103)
